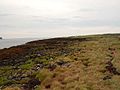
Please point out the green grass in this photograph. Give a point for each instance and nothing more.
(41, 75)
(27, 65)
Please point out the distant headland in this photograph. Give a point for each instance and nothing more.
(0, 37)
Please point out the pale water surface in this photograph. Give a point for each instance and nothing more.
(6, 43)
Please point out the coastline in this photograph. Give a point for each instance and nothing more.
(7, 43)
(33, 65)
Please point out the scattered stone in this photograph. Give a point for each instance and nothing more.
(86, 64)
(39, 55)
(61, 62)
(75, 59)
(111, 49)
(39, 65)
(79, 49)
(107, 77)
(111, 68)
(52, 67)
(31, 84)
(47, 86)
(109, 63)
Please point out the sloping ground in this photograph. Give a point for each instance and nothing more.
(74, 63)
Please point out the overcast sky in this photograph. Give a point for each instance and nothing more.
(50, 18)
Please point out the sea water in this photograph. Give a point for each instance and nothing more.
(6, 43)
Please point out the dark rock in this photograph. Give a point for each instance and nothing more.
(79, 49)
(61, 62)
(52, 67)
(111, 49)
(31, 84)
(107, 77)
(47, 86)
(86, 64)
(38, 66)
(109, 63)
(65, 42)
(112, 69)
(75, 59)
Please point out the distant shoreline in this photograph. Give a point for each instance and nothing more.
(11, 42)
(7, 43)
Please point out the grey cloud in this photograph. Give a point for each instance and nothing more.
(6, 26)
(78, 17)
(95, 23)
(86, 10)
(5, 14)
(24, 18)
(59, 22)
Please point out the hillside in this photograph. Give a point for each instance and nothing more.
(71, 63)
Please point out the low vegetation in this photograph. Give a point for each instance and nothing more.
(73, 63)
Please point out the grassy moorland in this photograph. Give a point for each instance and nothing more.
(73, 63)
